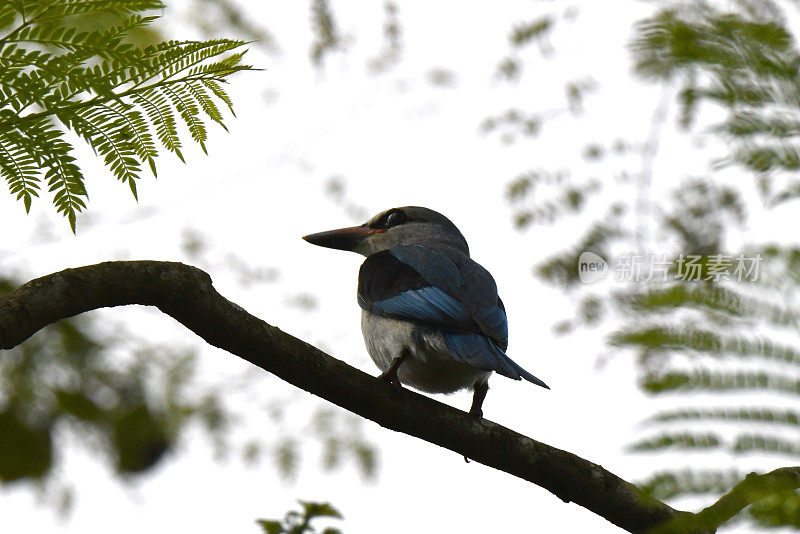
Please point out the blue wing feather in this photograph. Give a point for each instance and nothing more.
(461, 278)
(427, 305)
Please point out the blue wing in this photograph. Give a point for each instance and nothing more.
(427, 305)
(437, 287)
(446, 289)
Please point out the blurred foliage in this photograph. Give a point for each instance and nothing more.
(299, 522)
(68, 379)
(522, 34)
(512, 124)
(392, 50)
(744, 61)
(58, 74)
(212, 15)
(671, 484)
(134, 404)
(336, 191)
(720, 347)
(566, 197)
(326, 33)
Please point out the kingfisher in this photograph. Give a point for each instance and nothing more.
(430, 315)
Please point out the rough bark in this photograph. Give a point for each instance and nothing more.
(186, 294)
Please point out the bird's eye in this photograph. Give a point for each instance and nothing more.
(394, 218)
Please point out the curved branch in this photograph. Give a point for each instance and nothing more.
(186, 294)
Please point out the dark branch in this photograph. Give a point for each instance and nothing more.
(186, 294)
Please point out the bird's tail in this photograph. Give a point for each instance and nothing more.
(481, 352)
(522, 373)
(512, 369)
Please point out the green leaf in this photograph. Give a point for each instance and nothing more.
(270, 527)
(25, 450)
(319, 509)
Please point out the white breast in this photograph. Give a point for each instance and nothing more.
(429, 368)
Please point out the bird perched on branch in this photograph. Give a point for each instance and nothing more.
(431, 316)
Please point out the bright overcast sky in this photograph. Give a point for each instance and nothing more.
(394, 139)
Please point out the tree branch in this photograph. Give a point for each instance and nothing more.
(750, 490)
(186, 294)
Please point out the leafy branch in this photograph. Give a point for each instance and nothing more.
(118, 97)
(299, 522)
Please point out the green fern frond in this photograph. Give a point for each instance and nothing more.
(8, 14)
(18, 168)
(117, 97)
(59, 9)
(189, 113)
(684, 440)
(47, 146)
(708, 342)
(136, 126)
(747, 443)
(716, 299)
(745, 61)
(159, 113)
(101, 127)
(219, 93)
(670, 484)
(202, 97)
(735, 415)
(106, 44)
(704, 380)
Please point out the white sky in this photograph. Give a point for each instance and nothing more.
(396, 140)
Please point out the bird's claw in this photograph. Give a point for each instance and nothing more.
(390, 374)
(477, 414)
(390, 378)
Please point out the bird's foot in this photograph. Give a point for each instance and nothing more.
(390, 377)
(476, 412)
(481, 389)
(390, 374)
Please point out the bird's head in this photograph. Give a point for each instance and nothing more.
(410, 225)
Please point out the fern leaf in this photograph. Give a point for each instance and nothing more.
(219, 93)
(140, 138)
(684, 440)
(107, 134)
(708, 342)
(670, 484)
(189, 113)
(204, 100)
(704, 380)
(63, 176)
(19, 169)
(738, 415)
(117, 97)
(64, 8)
(160, 115)
(747, 443)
